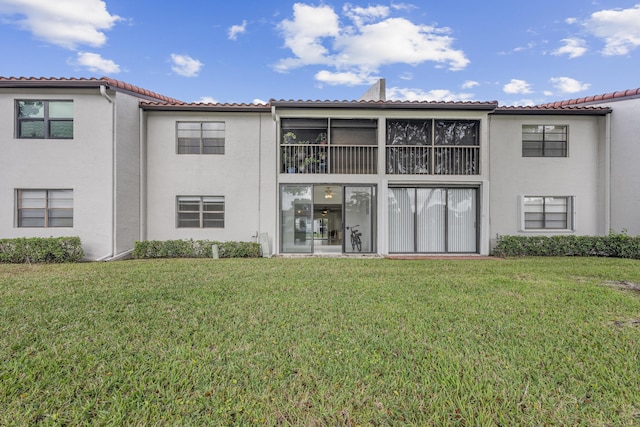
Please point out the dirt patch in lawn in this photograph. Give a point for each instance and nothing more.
(630, 286)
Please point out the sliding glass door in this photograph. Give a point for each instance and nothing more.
(327, 218)
(358, 218)
(432, 220)
(296, 220)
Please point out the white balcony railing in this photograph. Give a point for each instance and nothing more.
(333, 159)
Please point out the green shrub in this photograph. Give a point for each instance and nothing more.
(617, 245)
(194, 249)
(41, 250)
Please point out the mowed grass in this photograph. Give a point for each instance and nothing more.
(312, 341)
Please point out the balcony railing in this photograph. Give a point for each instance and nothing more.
(332, 159)
(433, 160)
(363, 159)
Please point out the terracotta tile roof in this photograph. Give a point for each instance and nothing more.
(596, 98)
(462, 105)
(83, 82)
(138, 90)
(201, 106)
(553, 109)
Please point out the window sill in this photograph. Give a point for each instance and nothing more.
(548, 230)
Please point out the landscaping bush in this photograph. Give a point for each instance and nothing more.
(617, 245)
(41, 249)
(194, 249)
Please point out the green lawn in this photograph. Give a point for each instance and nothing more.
(312, 341)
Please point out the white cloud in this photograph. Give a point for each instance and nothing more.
(573, 47)
(469, 84)
(304, 34)
(568, 85)
(185, 65)
(517, 49)
(524, 102)
(96, 63)
(571, 21)
(361, 15)
(344, 78)
(316, 36)
(619, 28)
(66, 23)
(207, 100)
(442, 95)
(259, 101)
(234, 30)
(517, 86)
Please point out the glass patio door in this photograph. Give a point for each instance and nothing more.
(296, 218)
(359, 209)
(327, 218)
(433, 220)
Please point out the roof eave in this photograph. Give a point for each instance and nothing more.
(206, 107)
(50, 84)
(385, 105)
(552, 112)
(83, 83)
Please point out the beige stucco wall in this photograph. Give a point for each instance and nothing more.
(127, 172)
(82, 164)
(625, 164)
(244, 175)
(579, 175)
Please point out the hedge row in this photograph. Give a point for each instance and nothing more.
(41, 249)
(194, 249)
(618, 245)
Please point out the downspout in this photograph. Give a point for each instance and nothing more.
(143, 176)
(259, 177)
(103, 92)
(607, 174)
(276, 234)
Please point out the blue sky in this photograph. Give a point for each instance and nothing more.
(515, 52)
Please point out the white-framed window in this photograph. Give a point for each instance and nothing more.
(42, 119)
(200, 137)
(200, 212)
(544, 140)
(547, 213)
(44, 208)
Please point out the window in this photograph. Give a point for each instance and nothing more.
(200, 212)
(44, 208)
(547, 213)
(44, 119)
(544, 141)
(200, 137)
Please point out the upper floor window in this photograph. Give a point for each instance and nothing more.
(544, 141)
(200, 212)
(44, 208)
(44, 119)
(547, 213)
(200, 137)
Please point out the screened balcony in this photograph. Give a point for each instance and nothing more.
(329, 146)
(432, 147)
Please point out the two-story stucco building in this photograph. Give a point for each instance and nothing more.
(113, 163)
